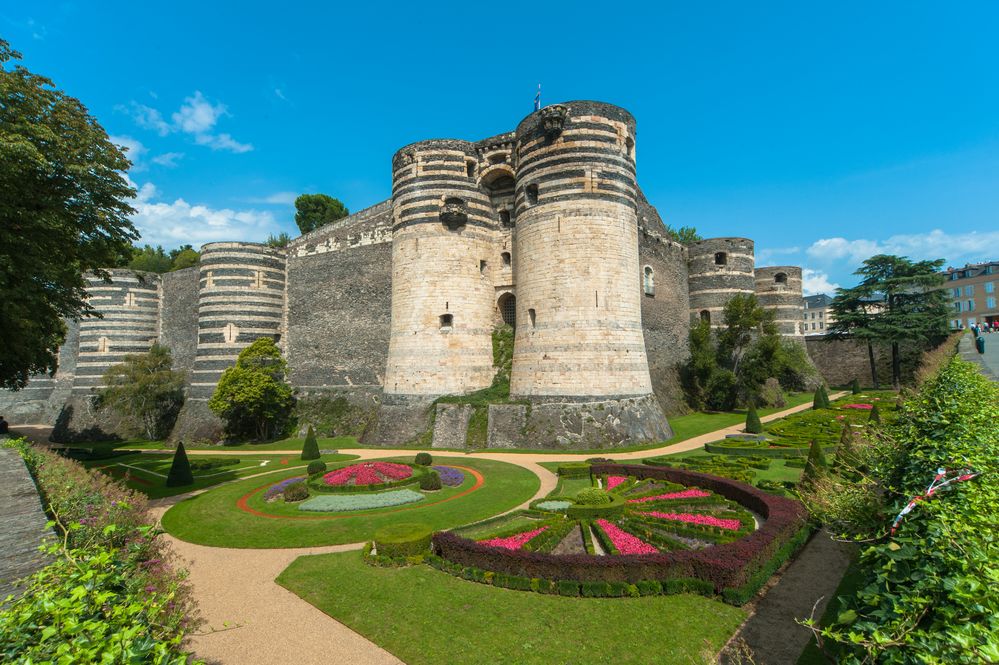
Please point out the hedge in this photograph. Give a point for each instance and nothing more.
(728, 566)
(403, 539)
(578, 470)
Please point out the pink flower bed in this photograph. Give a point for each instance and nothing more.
(514, 542)
(692, 493)
(706, 520)
(624, 541)
(614, 481)
(866, 407)
(368, 473)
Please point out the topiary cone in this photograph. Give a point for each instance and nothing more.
(855, 387)
(875, 415)
(817, 398)
(180, 470)
(753, 424)
(816, 464)
(311, 448)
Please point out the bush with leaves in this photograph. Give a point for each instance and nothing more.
(252, 397)
(430, 481)
(753, 424)
(297, 491)
(927, 594)
(424, 459)
(855, 387)
(180, 474)
(875, 415)
(821, 398)
(316, 467)
(145, 391)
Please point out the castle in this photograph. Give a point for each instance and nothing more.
(544, 228)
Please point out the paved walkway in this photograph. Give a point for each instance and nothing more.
(236, 587)
(22, 522)
(988, 361)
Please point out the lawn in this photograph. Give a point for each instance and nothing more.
(146, 472)
(401, 610)
(213, 518)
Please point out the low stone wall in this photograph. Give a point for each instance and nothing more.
(841, 361)
(451, 425)
(22, 522)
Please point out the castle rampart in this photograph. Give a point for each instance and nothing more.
(778, 288)
(719, 269)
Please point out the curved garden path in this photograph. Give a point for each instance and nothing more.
(256, 621)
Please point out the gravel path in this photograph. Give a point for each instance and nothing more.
(235, 587)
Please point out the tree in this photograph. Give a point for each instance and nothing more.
(63, 213)
(180, 470)
(280, 240)
(145, 390)
(150, 259)
(315, 210)
(184, 257)
(753, 424)
(311, 448)
(252, 397)
(686, 235)
(897, 300)
(743, 318)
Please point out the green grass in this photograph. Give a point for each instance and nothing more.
(848, 587)
(570, 486)
(213, 518)
(335, 443)
(142, 470)
(424, 616)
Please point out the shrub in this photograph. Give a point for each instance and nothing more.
(816, 464)
(316, 467)
(721, 392)
(180, 470)
(593, 496)
(855, 387)
(821, 398)
(311, 448)
(430, 482)
(753, 424)
(212, 463)
(297, 491)
(403, 539)
(875, 415)
(424, 459)
(574, 470)
(772, 395)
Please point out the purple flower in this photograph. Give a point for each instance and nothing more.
(450, 476)
(274, 490)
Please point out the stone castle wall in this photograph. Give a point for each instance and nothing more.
(719, 268)
(778, 289)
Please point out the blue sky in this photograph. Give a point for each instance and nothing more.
(826, 132)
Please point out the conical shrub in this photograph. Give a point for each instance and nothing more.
(855, 387)
(846, 453)
(816, 464)
(180, 470)
(820, 400)
(875, 415)
(753, 424)
(311, 448)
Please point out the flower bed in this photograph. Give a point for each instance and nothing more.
(624, 542)
(614, 481)
(351, 502)
(277, 489)
(737, 567)
(692, 493)
(450, 476)
(866, 407)
(514, 542)
(705, 520)
(368, 473)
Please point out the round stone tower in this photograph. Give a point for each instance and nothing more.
(240, 298)
(718, 269)
(130, 305)
(442, 296)
(579, 323)
(778, 289)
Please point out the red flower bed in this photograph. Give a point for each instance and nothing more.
(614, 481)
(866, 407)
(514, 542)
(692, 493)
(725, 566)
(368, 473)
(706, 520)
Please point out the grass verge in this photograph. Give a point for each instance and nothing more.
(401, 611)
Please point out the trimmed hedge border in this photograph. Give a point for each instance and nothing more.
(739, 567)
(786, 452)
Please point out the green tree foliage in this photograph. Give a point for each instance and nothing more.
(897, 300)
(280, 240)
(753, 424)
(315, 210)
(311, 448)
(155, 259)
(180, 470)
(686, 235)
(732, 366)
(252, 397)
(63, 213)
(145, 391)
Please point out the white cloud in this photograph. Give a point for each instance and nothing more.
(168, 159)
(954, 247)
(279, 94)
(815, 281)
(766, 255)
(277, 198)
(134, 150)
(175, 223)
(222, 142)
(196, 116)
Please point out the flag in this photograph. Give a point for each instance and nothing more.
(537, 99)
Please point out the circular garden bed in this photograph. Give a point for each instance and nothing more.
(655, 530)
